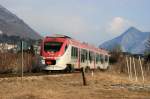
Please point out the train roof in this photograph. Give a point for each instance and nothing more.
(88, 46)
(58, 36)
(79, 44)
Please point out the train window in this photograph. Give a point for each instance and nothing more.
(83, 55)
(102, 59)
(99, 59)
(106, 58)
(86, 54)
(91, 56)
(52, 46)
(82, 58)
(74, 52)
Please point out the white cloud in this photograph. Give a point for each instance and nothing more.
(118, 25)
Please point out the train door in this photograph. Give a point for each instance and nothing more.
(91, 60)
(74, 56)
(83, 54)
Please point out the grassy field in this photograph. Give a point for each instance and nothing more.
(103, 85)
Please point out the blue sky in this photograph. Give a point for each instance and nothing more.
(92, 21)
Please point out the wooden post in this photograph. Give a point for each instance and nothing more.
(128, 67)
(28, 60)
(22, 60)
(141, 68)
(83, 76)
(148, 67)
(134, 69)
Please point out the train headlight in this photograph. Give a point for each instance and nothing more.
(43, 61)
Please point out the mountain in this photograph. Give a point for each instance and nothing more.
(132, 41)
(11, 25)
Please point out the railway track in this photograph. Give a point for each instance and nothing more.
(27, 75)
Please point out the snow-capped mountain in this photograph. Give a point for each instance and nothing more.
(132, 40)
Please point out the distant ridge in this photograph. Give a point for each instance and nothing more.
(132, 41)
(11, 25)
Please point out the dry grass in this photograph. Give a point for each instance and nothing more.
(11, 62)
(69, 86)
(121, 67)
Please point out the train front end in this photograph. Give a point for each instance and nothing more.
(52, 53)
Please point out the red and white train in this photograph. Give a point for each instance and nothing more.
(61, 52)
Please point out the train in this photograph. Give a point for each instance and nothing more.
(61, 52)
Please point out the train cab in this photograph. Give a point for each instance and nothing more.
(52, 49)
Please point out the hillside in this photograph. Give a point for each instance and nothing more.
(11, 25)
(132, 40)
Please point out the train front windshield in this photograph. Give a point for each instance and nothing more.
(52, 46)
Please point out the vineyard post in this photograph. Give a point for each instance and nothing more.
(134, 69)
(141, 68)
(128, 67)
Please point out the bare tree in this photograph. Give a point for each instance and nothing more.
(116, 53)
(147, 50)
(148, 44)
